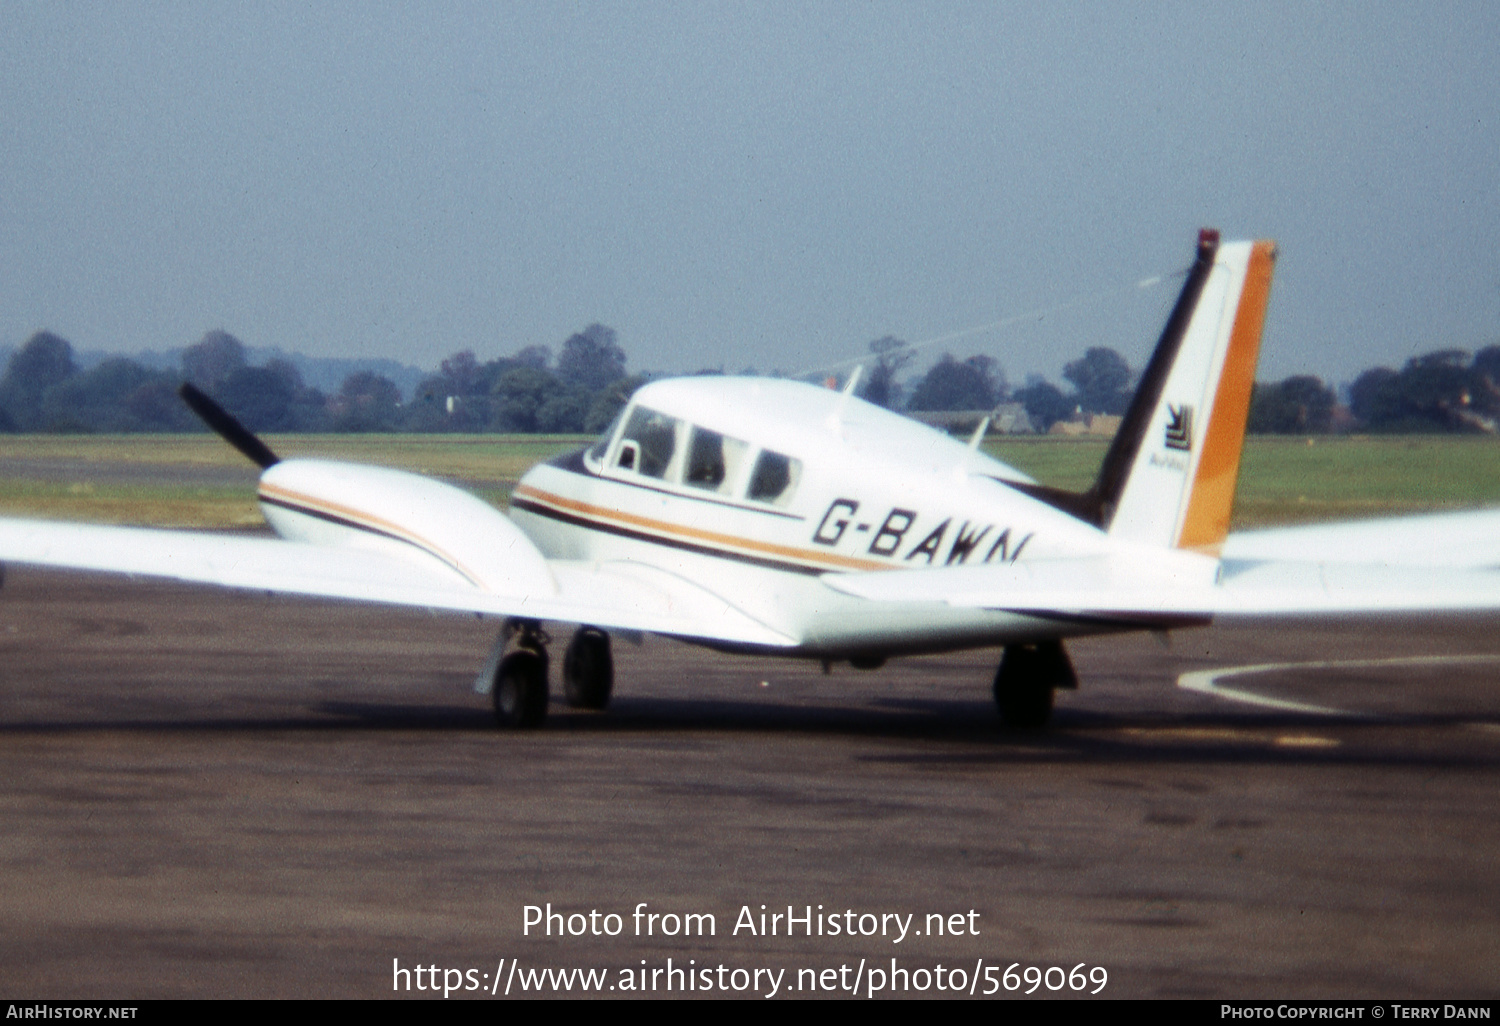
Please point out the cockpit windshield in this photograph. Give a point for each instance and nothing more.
(599, 449)
(653, 436)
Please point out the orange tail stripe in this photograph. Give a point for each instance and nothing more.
(1212, 499)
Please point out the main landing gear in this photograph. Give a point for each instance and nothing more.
(588, 669)
(1027, 677)
(518, 685)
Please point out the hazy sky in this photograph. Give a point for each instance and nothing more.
(768, 185)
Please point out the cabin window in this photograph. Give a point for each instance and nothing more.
(774, 478)
(713, 461)
(649, 441)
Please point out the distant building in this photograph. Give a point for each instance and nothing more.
(1011, 419)
(1088, 425)
(1005, 419)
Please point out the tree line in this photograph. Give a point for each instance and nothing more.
(1444, 391)
(44, 390)
(1101, 382)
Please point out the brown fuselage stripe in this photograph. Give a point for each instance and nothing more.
(1206, 524)
(543, 510)
(359, 520)
(606, 516)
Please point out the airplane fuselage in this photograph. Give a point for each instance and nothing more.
(755, 489)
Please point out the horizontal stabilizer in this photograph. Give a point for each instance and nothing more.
(1187, 588)
(1310, 589)
(1470, 539)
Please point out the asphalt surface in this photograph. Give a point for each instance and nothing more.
(214, 794)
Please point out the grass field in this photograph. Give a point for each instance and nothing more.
(153, 479)
(198, 481)
(1290, 480)
(471, 457)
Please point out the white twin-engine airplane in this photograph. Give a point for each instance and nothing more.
(768, 516)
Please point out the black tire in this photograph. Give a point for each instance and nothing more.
(520, 691)
(1024, 686)
(588, 669)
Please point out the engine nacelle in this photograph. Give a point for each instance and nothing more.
(325, 502)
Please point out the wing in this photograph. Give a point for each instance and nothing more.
(619, 595)
(372, 534)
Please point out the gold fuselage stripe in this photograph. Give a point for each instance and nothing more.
(827, 559)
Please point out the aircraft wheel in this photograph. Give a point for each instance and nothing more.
(588, 669)
(520, 692)
(1024, 684)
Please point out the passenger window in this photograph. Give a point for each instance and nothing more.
(648, 443)
(713, 461)
(774, 478)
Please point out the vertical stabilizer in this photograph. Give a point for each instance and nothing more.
(1170, 476)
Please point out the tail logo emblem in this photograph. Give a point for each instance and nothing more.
(1180, 427)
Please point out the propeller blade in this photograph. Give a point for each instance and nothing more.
(229, 429)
